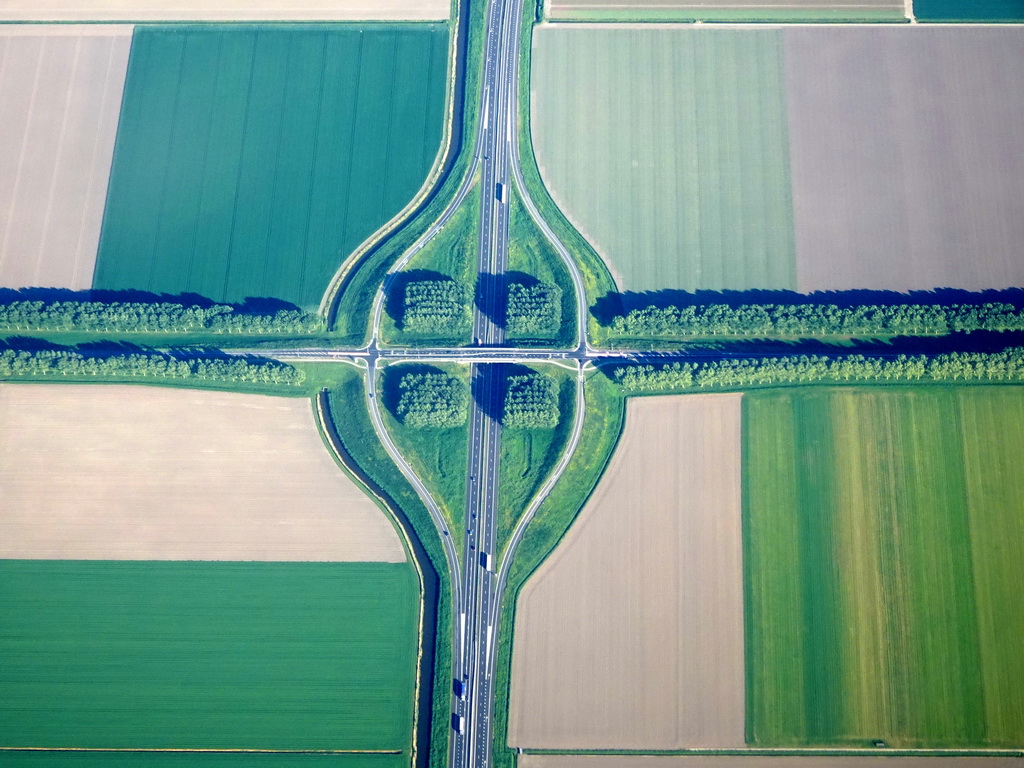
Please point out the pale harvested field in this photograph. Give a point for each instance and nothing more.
(557, 8)
(223, 10)
(631, 634)
(60, 88)
(759, 761)
(142, 473)
(905, 149)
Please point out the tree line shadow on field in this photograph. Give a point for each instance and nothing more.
(752, 349)
(613, 304)
(108, 348)
(250, 305)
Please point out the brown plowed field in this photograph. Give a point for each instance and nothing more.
(222, 10)
(906, 156)
(631, 634)
(759, 761)
(142, 473)
(60, 88)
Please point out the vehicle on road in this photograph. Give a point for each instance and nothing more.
(458, 723)
(485, 561)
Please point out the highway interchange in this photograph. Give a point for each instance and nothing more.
(479, 579)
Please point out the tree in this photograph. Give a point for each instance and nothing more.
(531, 402)
(533, 310)
(437, 307)
(432, 400)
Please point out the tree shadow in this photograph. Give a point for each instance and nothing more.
(251, 305)
(613, 304)
(488, 389)
(491, 297)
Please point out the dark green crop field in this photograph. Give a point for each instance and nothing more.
(207, 655)
(251, 161)
(195, 760)
(883, 532)
(969, 10)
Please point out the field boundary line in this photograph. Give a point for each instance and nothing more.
(210, 750)
(434, 177)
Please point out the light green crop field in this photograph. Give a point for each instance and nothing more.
(668, 149)
(251, 161)
(207, 655)
(883, 532)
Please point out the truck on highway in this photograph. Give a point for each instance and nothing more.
(459, 688)
(458, 723)
(501, 193)
(485, 561)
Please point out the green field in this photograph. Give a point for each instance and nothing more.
(250, 161)
(668, 149)
(969, 10)
(207, 655)
(195, 760)
(883, 532)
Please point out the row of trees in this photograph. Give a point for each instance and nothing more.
(1005, 366)
(436, 307)
(531, 402)
(533, 310)
(58, 363)
(812, 320)
(432, 400)
(152, 317)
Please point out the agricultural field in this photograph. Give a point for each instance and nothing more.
(60, 87)
(759, 761)
(55, 759)
(235, 655)
(224, 10)
(726, 10)
(883, 528)
(969, 10)
(252, 161)
(144, 473)
(916, 179)
(667, 148)
(805, 158)
(647, 652)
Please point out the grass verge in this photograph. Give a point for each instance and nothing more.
(530, 253)
(529, 455)
(440, 456)
(452, 253)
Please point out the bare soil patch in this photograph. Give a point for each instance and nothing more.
(143, 473)
(223, 10)
(630, 635)
(61, 93)
(906, 156)
(760, 761)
